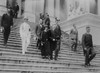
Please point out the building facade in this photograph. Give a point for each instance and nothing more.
(79, 12)
(63, 9)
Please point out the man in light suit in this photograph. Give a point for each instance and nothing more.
(25, 34)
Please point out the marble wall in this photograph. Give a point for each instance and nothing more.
(2, 7)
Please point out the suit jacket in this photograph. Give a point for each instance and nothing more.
(16, 8)
(38, 30)
(6, 21)
(56, 33)
(87, 40)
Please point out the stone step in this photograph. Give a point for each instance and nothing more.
(45, 70)
(68, 61)
(14, 39)
(37, 52)
(8, 71)
(32, 58)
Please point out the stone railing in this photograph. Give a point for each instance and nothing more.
(81, 22)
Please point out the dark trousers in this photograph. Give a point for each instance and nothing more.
(15, 14)
(45, 49)
(38, 44)
(89, 55)
(74, 46)
(6, 34)
(55, 46)
(57, 49)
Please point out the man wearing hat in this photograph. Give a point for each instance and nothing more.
(45, 41)
(25, 34)
(16, 10)
(6, 23)
(38, 32)
(87, 45)
(56, 39)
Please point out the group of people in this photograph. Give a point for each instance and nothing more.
(14, 10)
(87, 44)
(48, 37)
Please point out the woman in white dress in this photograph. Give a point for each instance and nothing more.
(25, 35)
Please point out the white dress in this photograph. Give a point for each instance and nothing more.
(25, 35)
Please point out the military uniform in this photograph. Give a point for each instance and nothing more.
(88, 49)
(55, 41)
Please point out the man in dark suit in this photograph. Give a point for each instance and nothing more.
(16, 9)
(56, 39)
(6, 23)
(87, 45)
(38, 31)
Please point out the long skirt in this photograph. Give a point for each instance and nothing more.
(45, 51)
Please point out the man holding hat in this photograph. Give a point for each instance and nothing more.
(87, 45)
(6, 24)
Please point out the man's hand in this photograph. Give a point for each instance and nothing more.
(54, 40)
(84, 48)
(11, 26)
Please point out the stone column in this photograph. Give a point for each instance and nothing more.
(98, 7)
(30, 7)
(39, 9)
(57, 9)
(50, 10)
(19, 3)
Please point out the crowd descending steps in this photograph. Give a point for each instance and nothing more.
(12, 60)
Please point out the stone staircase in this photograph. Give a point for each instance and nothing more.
(12, 60)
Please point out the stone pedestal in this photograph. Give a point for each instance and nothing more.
(81, 22)
(19, 3)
